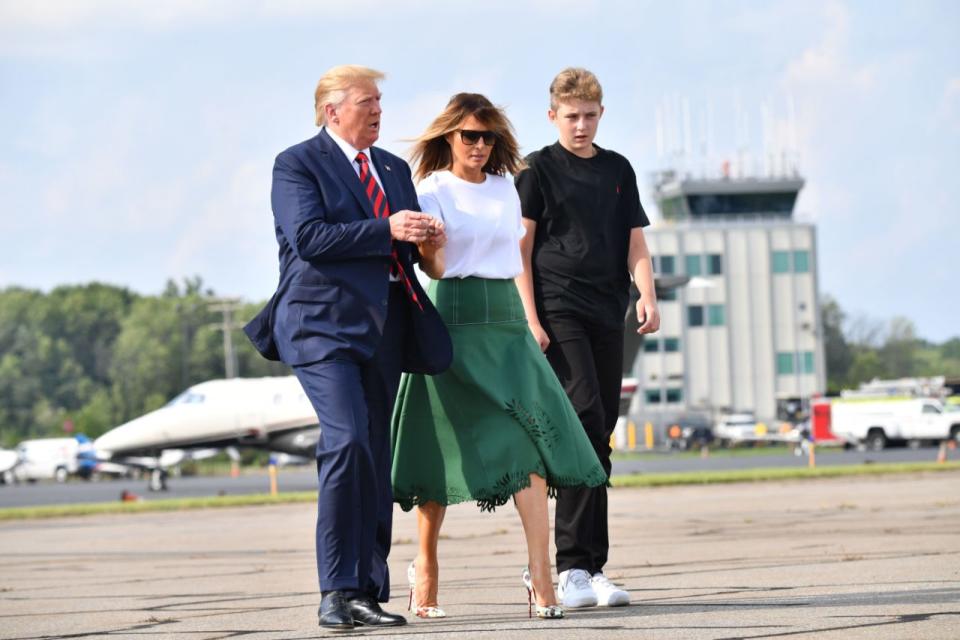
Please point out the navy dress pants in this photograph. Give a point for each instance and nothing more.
(354, 401)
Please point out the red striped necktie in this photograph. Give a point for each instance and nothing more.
(381, 209)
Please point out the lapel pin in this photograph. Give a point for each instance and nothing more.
(387, 167)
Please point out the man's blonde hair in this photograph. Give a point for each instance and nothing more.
(575, 83)
(334, 84)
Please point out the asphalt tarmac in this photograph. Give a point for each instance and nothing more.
(305, 478)
(850, 558)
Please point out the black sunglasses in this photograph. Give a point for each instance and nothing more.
(471, 137)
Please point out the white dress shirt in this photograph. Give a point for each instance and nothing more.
(351, 154)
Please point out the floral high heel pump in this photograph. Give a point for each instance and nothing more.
(416, 609)
(551, 611)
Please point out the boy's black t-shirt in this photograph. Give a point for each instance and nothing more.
(584, 209)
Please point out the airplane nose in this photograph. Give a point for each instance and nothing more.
(140, 433)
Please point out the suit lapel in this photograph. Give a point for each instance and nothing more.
(390, 181)
(344, 170)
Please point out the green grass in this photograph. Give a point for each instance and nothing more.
(172, 504)
(635, 480)
(732, 452)
(776, 473)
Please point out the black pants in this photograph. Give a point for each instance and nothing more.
(588, 360)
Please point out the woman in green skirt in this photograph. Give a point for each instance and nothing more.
(497, 424)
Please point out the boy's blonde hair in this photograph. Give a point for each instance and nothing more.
(333, 86)
(575, 83)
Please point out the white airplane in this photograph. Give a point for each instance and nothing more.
(267, 413)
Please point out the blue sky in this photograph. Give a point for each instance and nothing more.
(138, 138)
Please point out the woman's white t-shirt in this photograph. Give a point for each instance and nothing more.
(482, 223)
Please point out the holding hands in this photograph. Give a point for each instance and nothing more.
(436, 235)
(416, 227)
(427, 232)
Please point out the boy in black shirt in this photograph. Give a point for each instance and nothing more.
(584, 240)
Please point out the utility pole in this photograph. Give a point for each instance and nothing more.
(185, 313)
(227, 306)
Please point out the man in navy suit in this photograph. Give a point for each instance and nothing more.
(348, 315)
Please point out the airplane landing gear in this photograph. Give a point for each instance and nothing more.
(158, 480)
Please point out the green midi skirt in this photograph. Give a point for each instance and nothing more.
(478, 430)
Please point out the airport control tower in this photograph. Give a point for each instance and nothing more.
(744, 334)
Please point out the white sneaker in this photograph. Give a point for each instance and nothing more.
(608, 594)
(574, 590)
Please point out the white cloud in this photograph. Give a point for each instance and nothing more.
(89, 169)
(63, 15)
(830, 89)
(406, 118)
(227, 218)
(824, 64)
(76, 31)
(948, 111)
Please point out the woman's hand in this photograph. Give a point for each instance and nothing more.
(436, 235)
(543, 340)
(431, 250)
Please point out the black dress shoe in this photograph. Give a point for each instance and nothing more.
(335, 612)
(366, 610)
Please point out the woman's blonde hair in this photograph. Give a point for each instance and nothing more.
(575, 83)
(431, 152)
(334, 84)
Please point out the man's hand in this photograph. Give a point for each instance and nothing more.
(648, 315)
(409, 226)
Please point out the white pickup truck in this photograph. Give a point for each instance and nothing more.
(874, 422)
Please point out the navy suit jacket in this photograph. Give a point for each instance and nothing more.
(331, 301)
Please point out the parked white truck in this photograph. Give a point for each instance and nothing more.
(873, 422)
(8, 460)
(46, 458)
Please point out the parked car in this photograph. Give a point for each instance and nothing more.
(736, 428)
(689, 432)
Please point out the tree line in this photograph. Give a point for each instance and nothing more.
(94, 356)
(859, 349)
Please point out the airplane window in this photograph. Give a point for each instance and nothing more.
(187, 397)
